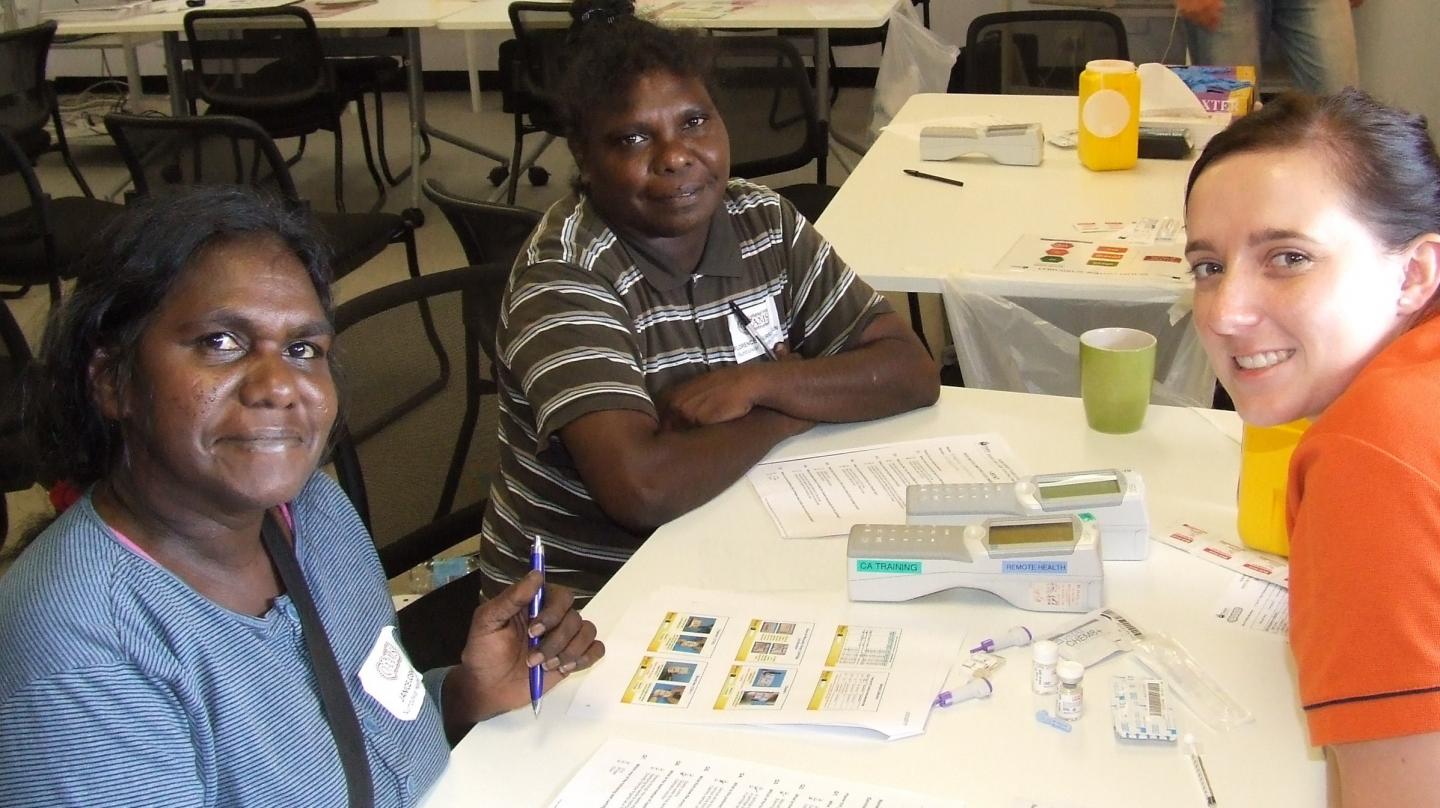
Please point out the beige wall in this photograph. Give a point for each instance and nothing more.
(1399, 45)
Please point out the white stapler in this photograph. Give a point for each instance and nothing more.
(1011, 144)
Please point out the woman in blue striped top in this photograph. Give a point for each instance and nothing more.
(209, 623)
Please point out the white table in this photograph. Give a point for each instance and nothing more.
(493, 15)
(985, 752)
(409, 15)
(936, 237)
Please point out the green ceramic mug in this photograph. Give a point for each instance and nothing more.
(1116, 368)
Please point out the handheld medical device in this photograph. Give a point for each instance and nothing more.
(1113, 498)
(1010, 144)
(1044, 564)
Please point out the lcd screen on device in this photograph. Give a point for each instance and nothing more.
(1084, 488)
(1032, 533)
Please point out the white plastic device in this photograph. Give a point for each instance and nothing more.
(1045, 564)
(1011, 144)
(1114, 498)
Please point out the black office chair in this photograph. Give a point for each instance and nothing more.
(763, 93)
(17, 471)
(420, 483)
(531, 65)
(268, 65)
(41, 237)
(165, 153)
(1038, 52)
(27, 100)
(488, 232)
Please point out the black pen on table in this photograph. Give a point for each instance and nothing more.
(749, 329)
(537, 673)
(922, 175)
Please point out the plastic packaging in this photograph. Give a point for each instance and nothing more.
(1205, 697)
(1032, 344)
(1070, 700)
(1043, 677)
(1264, 476)
(915, 60)
(1109, 115)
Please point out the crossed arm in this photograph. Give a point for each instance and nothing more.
(644, 472)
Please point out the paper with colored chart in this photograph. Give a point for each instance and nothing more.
(693, 656)
(625, 773)
(1074, 265)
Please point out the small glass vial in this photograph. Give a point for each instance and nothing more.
(1043, 678)
(1070, 702)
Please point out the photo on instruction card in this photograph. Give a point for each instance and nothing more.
(768, 677)
(677, 672)
(690, 644)
(697, 624)
(759, 698)
(663, 693)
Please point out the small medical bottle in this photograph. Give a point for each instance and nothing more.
(1043, 678)
(1070, 702)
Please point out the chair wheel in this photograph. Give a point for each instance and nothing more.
(538, 176)
(499, 174)
(413, 217)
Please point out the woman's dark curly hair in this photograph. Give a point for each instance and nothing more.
(120, 284)
(609, 48)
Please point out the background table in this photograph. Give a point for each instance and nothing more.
(493, 15)
(407, 15)
(903, 234)
(986, 752)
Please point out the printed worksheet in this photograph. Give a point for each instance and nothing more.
(1204, 544)
(1253, 604)
(826, 494)
(624, 773)
(737, 658)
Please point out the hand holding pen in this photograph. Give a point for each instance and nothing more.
(537, 673)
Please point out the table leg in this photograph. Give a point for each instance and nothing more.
(822, 72)
(472, 69)
(132, 72)
(174, 75)
(416, 86)
(916, 322)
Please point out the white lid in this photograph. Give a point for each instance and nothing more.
(1070, 671)
(1110, 66)
(1046, 652)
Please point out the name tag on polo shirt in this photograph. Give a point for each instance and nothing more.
(390, 679)
(764, 321)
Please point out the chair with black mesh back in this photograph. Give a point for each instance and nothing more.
(41, 237)
(420, 483)
(1038, 52)
(530, 69)
(763, 93)
(17, 472)
(488, 232)
(268, 65)
(167, 153)
(27, 100)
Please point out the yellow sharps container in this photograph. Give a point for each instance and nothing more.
(1109, 115)
(1264, 476)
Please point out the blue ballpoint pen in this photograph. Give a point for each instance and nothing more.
(537, 673)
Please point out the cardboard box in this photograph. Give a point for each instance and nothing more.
(1220, 88)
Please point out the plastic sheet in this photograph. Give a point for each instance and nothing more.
(915, 60)
(1032, 344)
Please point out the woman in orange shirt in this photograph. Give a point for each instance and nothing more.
(1314, 239)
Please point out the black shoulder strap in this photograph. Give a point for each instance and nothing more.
(334, 697)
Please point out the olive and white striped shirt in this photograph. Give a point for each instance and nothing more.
(591, 323)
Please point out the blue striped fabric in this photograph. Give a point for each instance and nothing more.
(120, 685)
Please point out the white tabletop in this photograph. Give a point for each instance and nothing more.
(989, 752)
(379, 14)
(904, 234)
(493, 15)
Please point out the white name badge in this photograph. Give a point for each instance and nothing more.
(764, 321)
(390, 679)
